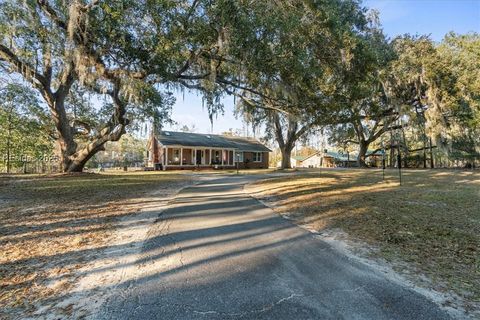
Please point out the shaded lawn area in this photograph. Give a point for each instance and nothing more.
(52, 225)
(431, 222)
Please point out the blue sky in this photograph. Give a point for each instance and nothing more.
(434, 17)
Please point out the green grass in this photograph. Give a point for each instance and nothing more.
(432, 221)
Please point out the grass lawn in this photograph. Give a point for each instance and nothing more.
(52, 225)
(432, 221)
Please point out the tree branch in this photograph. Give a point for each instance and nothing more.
(25, 69)
(278, 130)
(351, 141)
(256, 104)
(52, 14)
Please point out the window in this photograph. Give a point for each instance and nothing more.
(238, 156)
(217, 159)
(176, 155)
(257, 157)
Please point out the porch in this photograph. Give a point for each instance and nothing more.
(179, 157)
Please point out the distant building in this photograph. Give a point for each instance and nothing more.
(331, 159)
(311, 161)
(374, 158)
(184, 150)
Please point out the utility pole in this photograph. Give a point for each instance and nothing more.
(424, 152)
(392, 151)
(238, 160)
(399, 162)
(383, 161)
(432, 163)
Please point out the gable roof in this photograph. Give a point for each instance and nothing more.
(303, 158)
(374, 153)
(188, 139)
(299, 158)
(340, 157)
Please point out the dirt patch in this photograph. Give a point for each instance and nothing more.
(428, 228)
(55, 229)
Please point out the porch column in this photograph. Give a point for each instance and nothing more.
(211, 156)
(221, 152)
(165, 158)
(181, 156)
(194, 156)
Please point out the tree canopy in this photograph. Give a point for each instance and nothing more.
(100, 67)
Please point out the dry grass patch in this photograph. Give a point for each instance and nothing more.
(432, 221)
(52, 225)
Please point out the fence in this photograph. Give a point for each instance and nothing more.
(30, 167)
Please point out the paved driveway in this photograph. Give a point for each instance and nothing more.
(220, 254)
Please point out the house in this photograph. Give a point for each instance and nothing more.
(311, 161)
(332, 159)
(295, 161)
(184, 150)
(374, 158)
(325, 159)
(336, 159)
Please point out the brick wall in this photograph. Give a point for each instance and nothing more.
(253, 164)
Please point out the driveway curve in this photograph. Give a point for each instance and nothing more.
(220, 254)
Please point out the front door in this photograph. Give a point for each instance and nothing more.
(199, 157)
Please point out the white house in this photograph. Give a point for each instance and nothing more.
(311, 161)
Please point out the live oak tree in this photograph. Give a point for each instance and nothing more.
(55, 47)
(122, 55)
(284, 128)
(453, 79)
(441, 89)
(368, 103)
(409, 72)
(100, 66)
(294, 88)
(431, 89)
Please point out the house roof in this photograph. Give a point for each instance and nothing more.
(169, 138)
(374, 153)
(303, 158)
(300, 158)
(341, 157)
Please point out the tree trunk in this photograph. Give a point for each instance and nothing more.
(286, 156)
(65, 141)
(77, 165)
(285, 143)
(286, 134)
(362, 152)
(72, 158)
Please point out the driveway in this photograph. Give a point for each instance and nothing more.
(220, 254)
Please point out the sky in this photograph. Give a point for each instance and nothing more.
(432, 17)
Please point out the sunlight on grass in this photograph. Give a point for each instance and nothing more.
(53, 225)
